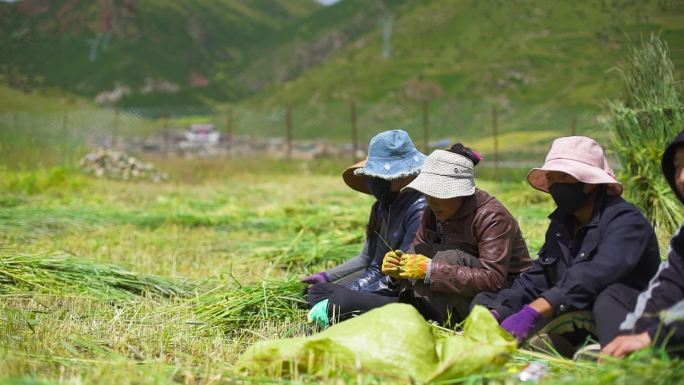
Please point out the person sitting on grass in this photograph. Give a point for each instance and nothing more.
(596, 245)
(474, 242)
(657, 314)
(393, 161)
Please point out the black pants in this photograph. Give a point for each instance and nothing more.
(344, 303)
(445, 309)
(610, 308)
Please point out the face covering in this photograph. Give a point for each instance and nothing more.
(380, 189)
(569, 197)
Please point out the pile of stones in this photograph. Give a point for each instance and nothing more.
(106, 163)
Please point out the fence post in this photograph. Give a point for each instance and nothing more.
(16, 121)
(495, 135)
(229, 130)
(115, 127)
(65, 126)
(288, 133)
(574, 125)
(426, 127)
(354, 133)
(165, 134)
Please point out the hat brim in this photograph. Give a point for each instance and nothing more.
(356, 182)
(581, 171)
(442, 187)
(355, 175)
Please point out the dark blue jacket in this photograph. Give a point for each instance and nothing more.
(401, 219)
(618, 245)
(660, 308)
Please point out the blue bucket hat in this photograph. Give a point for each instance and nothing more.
(391, 155)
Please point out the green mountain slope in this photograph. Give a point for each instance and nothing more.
(153, 51)
(546, 65)
(526, 50)
(311, 41)
(459, 54)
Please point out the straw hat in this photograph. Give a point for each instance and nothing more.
(580, 157)
(445, 175)
(391, 155)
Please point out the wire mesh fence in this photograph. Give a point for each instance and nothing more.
(506, 134)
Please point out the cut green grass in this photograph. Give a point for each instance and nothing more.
(242, 238)
(52, 273)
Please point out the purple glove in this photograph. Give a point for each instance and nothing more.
(321, 277)
(496, 315)
(522, 323)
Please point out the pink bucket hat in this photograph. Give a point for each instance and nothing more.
(580, 157)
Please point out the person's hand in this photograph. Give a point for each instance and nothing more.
(319, 314)
(414, 266)
(621, 346)
(390, 263)
(522, 323)
(321, 277)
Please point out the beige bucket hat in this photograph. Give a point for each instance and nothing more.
(580, 157)
(445, 175)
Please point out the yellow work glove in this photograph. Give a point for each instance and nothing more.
(413, 266)
(390, 263)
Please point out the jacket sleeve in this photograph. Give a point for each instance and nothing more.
(360, 262)
(660, 308)
(373, 280)
(412, 225)
(669, 332)
(495, 232)
(420, 234)
(524, 290)
(371, 274)
(625, 240)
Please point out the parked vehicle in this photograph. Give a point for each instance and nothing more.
(202, 135)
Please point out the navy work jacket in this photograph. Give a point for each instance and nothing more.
(659, 310)
(618, 245)
(400, 223)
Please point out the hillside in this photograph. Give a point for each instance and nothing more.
(473, 49)
(461, 55)
(142, 52)
(304, 45)
(546, 65)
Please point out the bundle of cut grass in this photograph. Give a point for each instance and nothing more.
(643, 123)
(63, 273)
(249, 306)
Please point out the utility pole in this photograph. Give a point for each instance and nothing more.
(288, 133)
(354, 134)
(426, 127)
(495, 135)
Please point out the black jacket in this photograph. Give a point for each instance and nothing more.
(618, 245)
(401, 220)
(660, 308)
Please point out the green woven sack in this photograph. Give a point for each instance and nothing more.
(393, 341)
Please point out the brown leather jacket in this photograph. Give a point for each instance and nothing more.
(482, 228)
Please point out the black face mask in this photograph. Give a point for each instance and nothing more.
(380, 189)
(569, 197)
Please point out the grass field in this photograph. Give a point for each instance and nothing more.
(126, 283)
